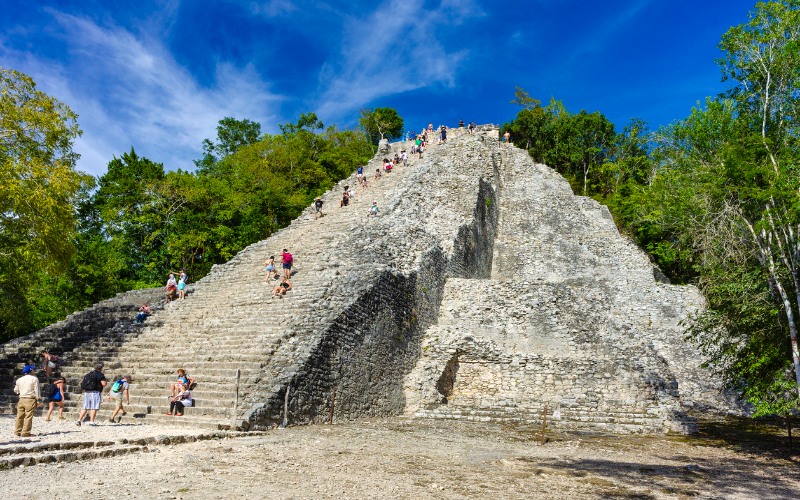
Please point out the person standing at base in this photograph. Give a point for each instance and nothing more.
(57, 399)
(119, 390)
(92, 385)
(27, 386)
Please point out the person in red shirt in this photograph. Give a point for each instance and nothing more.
(286, 260)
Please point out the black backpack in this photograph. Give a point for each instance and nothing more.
(49, 390)
(89, 383)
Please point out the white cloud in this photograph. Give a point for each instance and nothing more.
(394, 49)
(129, 91)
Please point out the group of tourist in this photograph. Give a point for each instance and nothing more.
(31, 395)
(175, 288)
(287, 260)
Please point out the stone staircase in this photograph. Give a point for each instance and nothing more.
(364, 288)
(106, 323)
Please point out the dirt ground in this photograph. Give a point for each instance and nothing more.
(401, 458)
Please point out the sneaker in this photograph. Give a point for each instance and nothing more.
(78, 423)
(111, 420)
(93, 424)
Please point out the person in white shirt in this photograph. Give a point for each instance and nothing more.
(27, 387)
(181, 401)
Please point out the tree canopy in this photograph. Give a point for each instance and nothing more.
(39, 187)
(381, 123)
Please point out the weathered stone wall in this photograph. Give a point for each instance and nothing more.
(375, 342)
(572, 322)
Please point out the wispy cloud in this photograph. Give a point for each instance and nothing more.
(129, 91)
(612, 25)
(273, 8)
(394, 49)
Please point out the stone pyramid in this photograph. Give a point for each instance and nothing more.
(484, 290)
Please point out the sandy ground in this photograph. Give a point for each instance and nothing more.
(397, 458)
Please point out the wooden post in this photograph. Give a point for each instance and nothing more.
(333, 403)
(544, 422)
(236, 398)
(286, 405)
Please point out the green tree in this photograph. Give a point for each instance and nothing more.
(523, 99)
(232, 134)
(725, 195)
(134, 216)
(381, 123)
(530, 127)
(763, 60)
(38, 190)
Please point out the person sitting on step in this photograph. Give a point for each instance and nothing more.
(144, 312)
(283, 287)
(171, 288)
(183, 379)
(180, 401)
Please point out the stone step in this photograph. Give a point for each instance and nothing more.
(621, 420)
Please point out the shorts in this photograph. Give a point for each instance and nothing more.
(287, 265)
(91, 400)
(117, 402)
(269, 268)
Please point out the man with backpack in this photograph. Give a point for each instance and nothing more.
(119, 389)
(92, 385)
(286, 260)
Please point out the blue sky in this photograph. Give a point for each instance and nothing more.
(159, 75)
